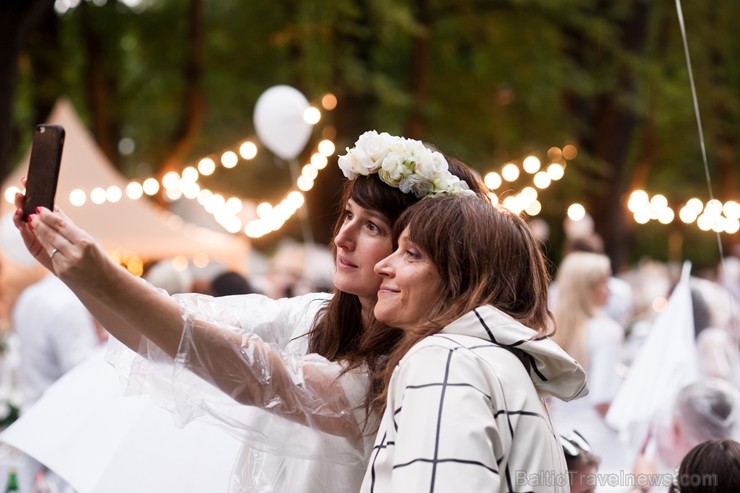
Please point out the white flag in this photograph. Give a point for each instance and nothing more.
(666, 362)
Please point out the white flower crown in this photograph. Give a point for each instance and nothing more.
(402, 163)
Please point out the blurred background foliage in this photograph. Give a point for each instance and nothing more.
(487, 81)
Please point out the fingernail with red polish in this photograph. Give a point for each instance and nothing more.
(38, 210)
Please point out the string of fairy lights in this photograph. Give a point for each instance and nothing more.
(714, 215)
(239, 215)
(527, 199)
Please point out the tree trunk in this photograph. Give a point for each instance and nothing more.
(420, 60)
(17, 18)
(606, 129)
(101, 82)
(193, 97)
(351, 117)
(726, 137)
(45, 64)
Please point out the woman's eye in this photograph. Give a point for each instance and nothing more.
(348, 215)
(373, 227)
(413, 254)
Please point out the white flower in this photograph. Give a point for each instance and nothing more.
(394, 168)
(429, 169)
(418, 185)
(406, 164)
(355, 163)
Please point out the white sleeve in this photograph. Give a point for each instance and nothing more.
(268, 398)
(446, 432)
(273, 320)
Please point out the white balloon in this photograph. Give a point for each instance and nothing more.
(12, 243)
(278, 119)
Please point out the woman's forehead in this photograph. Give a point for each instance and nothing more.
(374, 213)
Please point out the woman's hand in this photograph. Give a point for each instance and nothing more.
(29, 238)
(127, 307)
(60, 246)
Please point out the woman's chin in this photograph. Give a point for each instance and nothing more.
(363, 290)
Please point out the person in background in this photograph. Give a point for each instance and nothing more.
(620, 303)
(729, 275)
(467, 287)
(55, 333)
(164, 275)
(594, 340)
(582, 463)
(705, 410)
(305, 360)
(717, 329)
(230, 283)
(712, 466)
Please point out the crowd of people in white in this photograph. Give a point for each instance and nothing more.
(603, 320)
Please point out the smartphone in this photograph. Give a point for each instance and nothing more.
(43, 168)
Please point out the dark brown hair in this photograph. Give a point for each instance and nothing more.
(338, 326)
(338, 332)
(710, 467)
(484, 256)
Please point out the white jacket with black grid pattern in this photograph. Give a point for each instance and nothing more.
(465, 413)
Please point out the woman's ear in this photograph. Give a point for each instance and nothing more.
(676, 430)
(681, 442)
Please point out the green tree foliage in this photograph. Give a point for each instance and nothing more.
(487, 81)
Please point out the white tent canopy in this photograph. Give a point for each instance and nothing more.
(138, 226)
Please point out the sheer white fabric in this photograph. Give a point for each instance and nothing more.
(255, 380)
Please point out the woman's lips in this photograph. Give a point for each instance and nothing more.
(342, 262)
(386, 289)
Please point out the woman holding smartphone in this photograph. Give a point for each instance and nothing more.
(291, 377)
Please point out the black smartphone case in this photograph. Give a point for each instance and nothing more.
(43, 168)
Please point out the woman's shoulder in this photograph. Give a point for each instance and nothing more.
(447, 341)
(459, 359)
(441, 345)
(297, 304)
(310, 301)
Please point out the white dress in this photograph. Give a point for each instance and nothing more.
(603, 347)
(464, 412)
(55, 333)
(278, 454)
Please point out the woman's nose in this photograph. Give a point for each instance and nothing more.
(383, 267)
(343, 239)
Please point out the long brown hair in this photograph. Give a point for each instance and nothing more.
(484, 256)
(338, 332)
(338, 327)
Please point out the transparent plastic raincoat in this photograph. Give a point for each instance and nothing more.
(300, 417)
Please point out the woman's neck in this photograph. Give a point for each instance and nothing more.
(368, 306)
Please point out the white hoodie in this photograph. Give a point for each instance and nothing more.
(464, 411)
